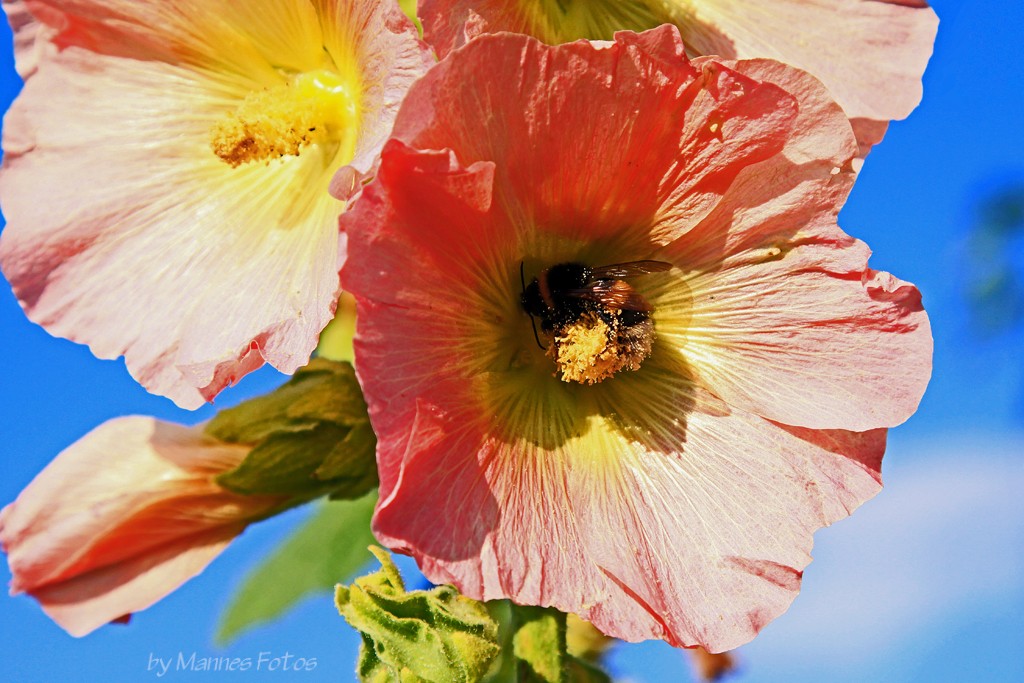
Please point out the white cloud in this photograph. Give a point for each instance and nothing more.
(940, 547)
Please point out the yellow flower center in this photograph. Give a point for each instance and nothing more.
(313, 108)
(567, 20)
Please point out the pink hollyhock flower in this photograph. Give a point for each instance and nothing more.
(869, 53)
(122, 518)
(720, 408)
(166, 172)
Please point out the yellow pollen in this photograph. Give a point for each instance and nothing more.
(590, 350)
(314, 108)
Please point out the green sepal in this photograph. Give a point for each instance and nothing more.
(436, 636)
(351, 455)
(310, 436)
(535, 648)
(336, 339)
(329, 547)
(409, 7)
(581, 671)
(539, 644)
(322, 391)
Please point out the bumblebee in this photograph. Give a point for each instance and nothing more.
(561, 294)
(599, 324)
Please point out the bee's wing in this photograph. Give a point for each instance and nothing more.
(614, 294)
(630, 269)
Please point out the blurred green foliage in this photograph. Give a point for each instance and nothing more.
(331, 546)
(995, 261)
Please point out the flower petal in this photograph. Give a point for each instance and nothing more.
(31, 37)
(869, 53)
(86, 602)
(373, 29)
(645, 502)
(643, 544)
(544, 525)
(448, 202)
(760, 338)
(628, 171)
(784, 317)
(217, 34)
(148, 274)
(123, 517)
(126, 469)
(147, 244)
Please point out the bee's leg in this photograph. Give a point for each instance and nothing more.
(536, 337)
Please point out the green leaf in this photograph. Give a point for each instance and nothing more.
(437, 636)
(309, 437)
(329, 547)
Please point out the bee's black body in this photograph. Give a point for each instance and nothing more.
(553, 287)
(563, 293)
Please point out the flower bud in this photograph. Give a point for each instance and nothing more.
(123, 517)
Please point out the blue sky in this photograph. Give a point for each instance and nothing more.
(924, 583)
